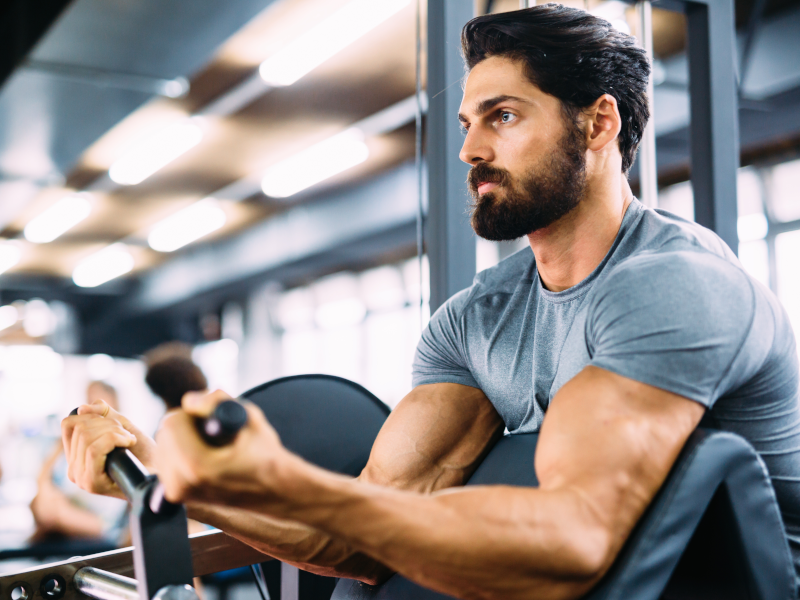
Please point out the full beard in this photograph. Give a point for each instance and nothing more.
(547, 192)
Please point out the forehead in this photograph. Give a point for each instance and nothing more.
(498, 76)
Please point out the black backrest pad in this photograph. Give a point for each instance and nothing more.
(329, 421)
(717, 501)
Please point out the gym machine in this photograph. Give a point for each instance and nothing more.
(163, 559)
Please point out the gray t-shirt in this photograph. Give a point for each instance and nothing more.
(669, 306)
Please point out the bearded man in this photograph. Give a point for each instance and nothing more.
(614, 335)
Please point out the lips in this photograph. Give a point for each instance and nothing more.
(486, 186)
(483, 178)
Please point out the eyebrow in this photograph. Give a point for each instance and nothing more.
(484, 106)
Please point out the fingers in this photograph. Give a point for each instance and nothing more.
(88, 438)
(200, 404)
(180, 455)
(98, 407)
(191, 470)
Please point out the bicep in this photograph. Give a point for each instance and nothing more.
(614, 440)
(434, 438)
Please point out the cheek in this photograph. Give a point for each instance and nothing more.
(521, 148)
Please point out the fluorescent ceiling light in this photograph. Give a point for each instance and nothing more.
(8, 316)
(105, 265)
(752, 227)
(58, 219)
(326, 39)
(187, 225)
(315, 164)
(151, 154)
(10, 254)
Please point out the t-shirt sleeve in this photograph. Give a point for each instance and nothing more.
(440, 355)
(676, 321)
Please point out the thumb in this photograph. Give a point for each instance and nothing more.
(202, 404)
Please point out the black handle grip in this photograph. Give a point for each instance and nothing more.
(221, 428)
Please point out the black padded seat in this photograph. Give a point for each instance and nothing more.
(713, 531)
(329, 421)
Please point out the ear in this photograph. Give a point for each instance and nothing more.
(602, 123)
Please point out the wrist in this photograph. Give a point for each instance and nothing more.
(304, 492)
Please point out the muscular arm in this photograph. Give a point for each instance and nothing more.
(434, 439)
(606, 446)
(54, 513)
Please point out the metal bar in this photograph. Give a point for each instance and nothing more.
(714, 119)
(753, 23)
(212, 552)
(777, 227)
(237, 97)
(648, 173)
(103, 585)
(448, 236)
(290, 582)
(171, 88)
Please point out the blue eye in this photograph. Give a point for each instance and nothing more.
(506, 117)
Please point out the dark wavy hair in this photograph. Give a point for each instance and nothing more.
(573, 56)
(171, 377)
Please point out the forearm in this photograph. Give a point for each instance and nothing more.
(292, 542)
(76, 522)
(59, 515)
(491, 542)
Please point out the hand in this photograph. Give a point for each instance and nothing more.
(237, 474)
(88, 438)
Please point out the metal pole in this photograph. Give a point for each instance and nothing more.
(648, 172)
(448, 235)
(714, 117)
(103, 585)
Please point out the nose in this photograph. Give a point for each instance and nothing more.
(476, 147)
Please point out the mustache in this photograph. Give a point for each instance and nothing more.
(485, 173)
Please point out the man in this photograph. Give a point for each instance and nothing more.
(619, 332)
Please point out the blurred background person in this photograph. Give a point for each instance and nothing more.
(171, 373)
(61, 509)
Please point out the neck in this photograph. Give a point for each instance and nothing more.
(571, 248)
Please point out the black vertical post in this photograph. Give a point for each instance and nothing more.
(714, 119)
(448, 236)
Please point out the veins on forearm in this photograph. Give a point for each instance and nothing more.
(292, 542)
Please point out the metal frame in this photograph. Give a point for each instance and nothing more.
(449, 239)
(211, 552)
(714, 124)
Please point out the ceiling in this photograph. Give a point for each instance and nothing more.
(100, 79)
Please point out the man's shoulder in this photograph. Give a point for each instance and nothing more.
(660, 243)
(681, 271)
(659, 231)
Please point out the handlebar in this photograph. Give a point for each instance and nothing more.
(218, 429)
